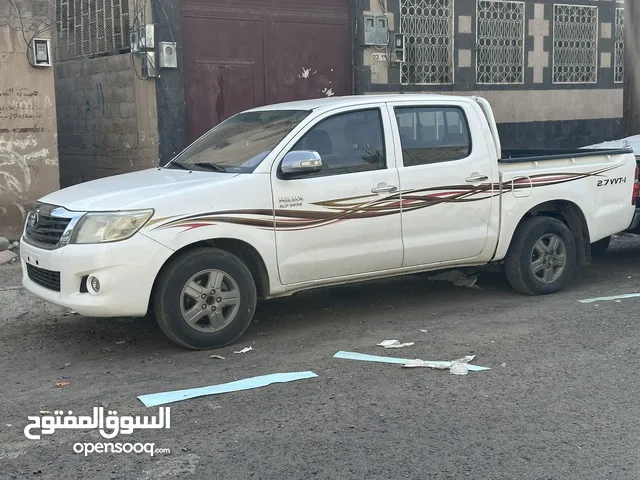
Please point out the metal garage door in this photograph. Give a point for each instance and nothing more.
(244, 53)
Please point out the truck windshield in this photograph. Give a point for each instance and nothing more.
(240, 143)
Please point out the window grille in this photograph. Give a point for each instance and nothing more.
(500, 42)
(618, 74)
(90, 27)
(428, 27)
(575, 44)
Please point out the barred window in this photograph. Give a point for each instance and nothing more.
(90, 27)
(575, 44)
(500, 40)
(428, 28)
(618, 74)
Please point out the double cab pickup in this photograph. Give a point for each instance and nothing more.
(301, 195)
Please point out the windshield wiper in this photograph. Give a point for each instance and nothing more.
(211, 166)
(178, 164)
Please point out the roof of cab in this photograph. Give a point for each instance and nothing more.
(352, 100)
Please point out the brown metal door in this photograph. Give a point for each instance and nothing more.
(244, 53)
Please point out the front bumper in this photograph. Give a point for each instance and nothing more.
(126, 271)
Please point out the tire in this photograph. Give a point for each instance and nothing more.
(600, 247)
(229, 307)
(525, 251)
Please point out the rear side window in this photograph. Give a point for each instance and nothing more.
(432, 134)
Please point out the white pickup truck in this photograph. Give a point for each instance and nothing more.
(295, 196)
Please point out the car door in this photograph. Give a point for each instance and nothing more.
(343, 220)
(446, 181)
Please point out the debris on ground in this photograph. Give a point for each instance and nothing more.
(469, 282)
(394, 344)
(70, 313)
(7, 256)
(218, 357)
(245, 350)
(608, 299)
(504, 365)
(405, 362)
(423, 331)
(121, 342)
(458, 278)
(45, 412)
(459, 369)
(4, 244)
(456, 367)
(62, 384)
(155, 399)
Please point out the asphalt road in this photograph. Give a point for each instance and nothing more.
(560, 401)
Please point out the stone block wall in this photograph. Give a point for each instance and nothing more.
(107, 118)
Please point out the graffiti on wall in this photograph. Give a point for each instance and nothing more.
(17, 156)
(20, 152)
(20, 104)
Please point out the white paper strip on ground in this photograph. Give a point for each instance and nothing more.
(402, 361)
(154, 399)
(607, 299)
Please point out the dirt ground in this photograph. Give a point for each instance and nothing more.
(560, 400)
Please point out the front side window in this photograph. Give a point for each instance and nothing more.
(347, 143)
(432, 134)
(240, 143)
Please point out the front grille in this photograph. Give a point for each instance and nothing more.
(48, 230)
(44, 278)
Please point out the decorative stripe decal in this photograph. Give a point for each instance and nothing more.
(367, 206)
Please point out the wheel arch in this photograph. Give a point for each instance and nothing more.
(573, 217)
(241, 249)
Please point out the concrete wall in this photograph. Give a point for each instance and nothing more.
(536, 113)
(107, 114)
(28, 138)
(107, 119)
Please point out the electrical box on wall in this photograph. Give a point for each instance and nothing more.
(135, 42)
(40, 52)
(148, 66)
(146, 36)
(376, 30)
(167, 55)
(400, 47)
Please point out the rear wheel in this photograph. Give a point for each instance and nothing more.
(542, 256)
(205, 299)
(600, 247)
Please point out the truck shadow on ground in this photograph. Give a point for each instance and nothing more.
(321, 312)
(326, 309)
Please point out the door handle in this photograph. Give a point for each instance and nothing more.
(384, 189)
(478, 178)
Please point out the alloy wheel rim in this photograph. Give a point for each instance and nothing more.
(210, 300)
(548, 258)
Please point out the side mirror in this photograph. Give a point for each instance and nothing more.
(301, 162)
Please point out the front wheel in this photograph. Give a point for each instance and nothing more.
(204, 299)
(542, 256)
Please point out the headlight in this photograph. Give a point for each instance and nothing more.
(110, 227)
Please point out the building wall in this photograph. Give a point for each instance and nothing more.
(28, 139)
(171, 105)
(533, 109)
(107, 117)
